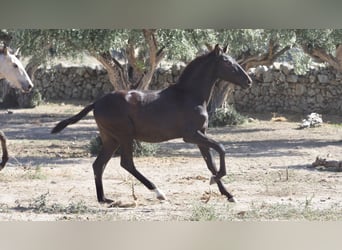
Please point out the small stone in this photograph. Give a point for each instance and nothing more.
(323, 78)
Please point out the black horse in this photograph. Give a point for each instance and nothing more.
(178, 111)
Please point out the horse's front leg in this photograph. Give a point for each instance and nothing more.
(202, 140)
(205, 151)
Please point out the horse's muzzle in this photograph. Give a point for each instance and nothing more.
(27, 88)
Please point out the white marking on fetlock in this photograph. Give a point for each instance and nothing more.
(232, 199)
(160, 194)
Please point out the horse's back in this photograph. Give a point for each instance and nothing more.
(146, 115)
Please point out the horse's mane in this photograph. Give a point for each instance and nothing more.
(193, 66)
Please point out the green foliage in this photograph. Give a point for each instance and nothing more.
(303, 211)
(30, 100)
(41, 205)
(67, 42)
(184, 44)
(144, 148)
(319, 38)
(300, 60)
(139, 148)
(35, 174)
(15, 98)
(226, 116)
(203, 213)
(180, 44)
(95, 145)
(255, 41)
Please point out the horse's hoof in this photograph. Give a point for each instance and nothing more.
(160, 194)
(212, 180)
(106, 201)
(232, 199)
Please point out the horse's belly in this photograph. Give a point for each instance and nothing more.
(157, 133)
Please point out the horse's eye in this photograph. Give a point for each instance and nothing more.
(15, 65)
(227, 61)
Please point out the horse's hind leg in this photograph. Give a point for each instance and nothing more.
(128, 164)
(99, 165)
(205, 151)
(4, 150)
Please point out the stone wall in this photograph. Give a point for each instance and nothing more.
(275, 89)
(279, 89)
(66, 83)
(89, 83)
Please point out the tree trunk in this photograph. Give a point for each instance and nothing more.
(323, 164)
(115, 71)
(248, 61)
(339, 55)
(133, 76)
(221, 91)
(321, 55)
(155, 57)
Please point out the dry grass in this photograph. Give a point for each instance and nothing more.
(49, 177)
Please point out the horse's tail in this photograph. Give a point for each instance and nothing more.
(4, 150)
(61, 125)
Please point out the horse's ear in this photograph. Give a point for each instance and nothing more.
(217, 49)
(225, 49)
(17, 53)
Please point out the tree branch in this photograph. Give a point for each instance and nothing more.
(267, 58)
(154, 59)
(323, 56)
(114, 69)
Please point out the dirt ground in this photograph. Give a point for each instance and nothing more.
(49, 177)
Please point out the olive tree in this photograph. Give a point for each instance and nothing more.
(40, 44)
(144, 49)
(323, 45)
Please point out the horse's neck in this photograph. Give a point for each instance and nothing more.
(199, 83)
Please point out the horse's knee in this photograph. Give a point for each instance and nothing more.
(123, 162)
(98, 170)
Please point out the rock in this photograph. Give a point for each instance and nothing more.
(300, 89)
(292, 78)
(285, 68)
(312, 120)
(282, 77)
(268, 76)
(322, 78)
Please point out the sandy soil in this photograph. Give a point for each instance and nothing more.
(49, 177)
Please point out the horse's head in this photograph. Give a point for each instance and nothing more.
(229, 70)
(13, 70)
